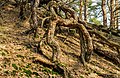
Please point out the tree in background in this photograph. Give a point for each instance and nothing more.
(104, 12)
(94, 12)
(85, 9)
(112, 20)
(116, 13)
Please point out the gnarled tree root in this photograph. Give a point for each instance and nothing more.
(54, 66)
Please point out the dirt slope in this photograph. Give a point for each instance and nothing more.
(17, 54)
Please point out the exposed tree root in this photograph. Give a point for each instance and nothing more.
(102, 45)
(107, 52)
(54, 66)
(98, 33)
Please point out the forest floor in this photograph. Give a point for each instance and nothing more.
(17, 56)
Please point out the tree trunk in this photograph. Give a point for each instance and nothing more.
(116, 14)
(80, 7)
(104, 13)
(85, 9)
(22, 9)
(112, 23)
(34, 16)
